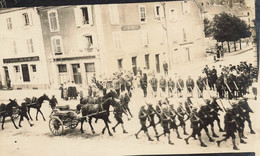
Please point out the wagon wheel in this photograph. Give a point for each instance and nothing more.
(56, 126)
(74, 123)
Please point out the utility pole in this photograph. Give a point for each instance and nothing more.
(167, 36)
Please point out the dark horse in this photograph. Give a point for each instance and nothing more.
(36, 104)
(94, 100)
(93, 111)
(7, 110)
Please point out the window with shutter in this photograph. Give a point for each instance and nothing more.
(53, 20)
(117, 40)
(57, 45)
(30, 45)
(173, 15)
(62, 68)
(114, 16)
(184, 35)
(26, 19)
(145, 38)
(9, 23)
(142, 12)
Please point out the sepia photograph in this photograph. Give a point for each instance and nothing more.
(129, 78)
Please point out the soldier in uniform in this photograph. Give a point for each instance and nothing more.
(143, 117)
(230, 127)
(173, 125)
(118, 112)
(246, 109)
(154, 84)
(53, 102)
(143, 83)
(122, 82)
(206, 120)
(190, 85)
(171, 86)
(158, 109)
(214, 76)
(195, 125)
(128, 85)
(188, 105)
(162, 85)
(181, 113)
(220, 86)
(216, 108)
(179, 86)
(240, 120)
(151, 112)
(165, 119)
(200, 86)
(125, 99)
(116, 84)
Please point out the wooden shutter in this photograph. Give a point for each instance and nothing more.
(78, 17)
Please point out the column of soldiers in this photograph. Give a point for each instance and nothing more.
(232, 82)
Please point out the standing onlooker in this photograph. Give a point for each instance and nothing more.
(165, 68)
(89, 90)
(62, 91)
(162, 85)
(171, 86)
(65, 91)
(8, 81)
(154, 83)
(143, 83)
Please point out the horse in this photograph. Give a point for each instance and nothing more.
(37, 105)
(94, 100)
(7, 110)
(93, 110)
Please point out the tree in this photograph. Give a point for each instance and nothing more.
(207, 27)
(228, 28)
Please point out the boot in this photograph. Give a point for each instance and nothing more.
(171, 143)
(211, 140)
(242, 141)
(203, 145)
(31, 125)
(221, 130)
(150, 139)
(252, 132)
(215, 135)
(179, 137)
(157, 137)
(114, 129)
(185, 133)
(235, 148)
(124, 131)
(136, 135)
(186, 140)
(218, 142)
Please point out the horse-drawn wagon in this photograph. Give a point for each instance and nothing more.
(62, 116)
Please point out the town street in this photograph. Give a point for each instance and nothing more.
(39, 141)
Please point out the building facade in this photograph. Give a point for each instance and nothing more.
(71, 42)
(155, 33)
(23, 59)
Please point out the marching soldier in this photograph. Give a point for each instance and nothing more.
(230, 127)
(128, 85)
(118, 112)
(190, 85)
(188, 105)
(246, 109)
(220, 86)
(125, 99)
(181, 113)
(116, 84)
(151, 112)
(165, 124)
(143, 83)
(216, 108)
(158, 109)
(154, 84)
(162, 85)
(195, 125)
(179, 86)
(143, 117)
(171, 86)
(200, 86)
(173, 125)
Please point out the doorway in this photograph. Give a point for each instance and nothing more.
(157, 62)
(76, 73)
(134, 65)
(6, 74)
(25, 72)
